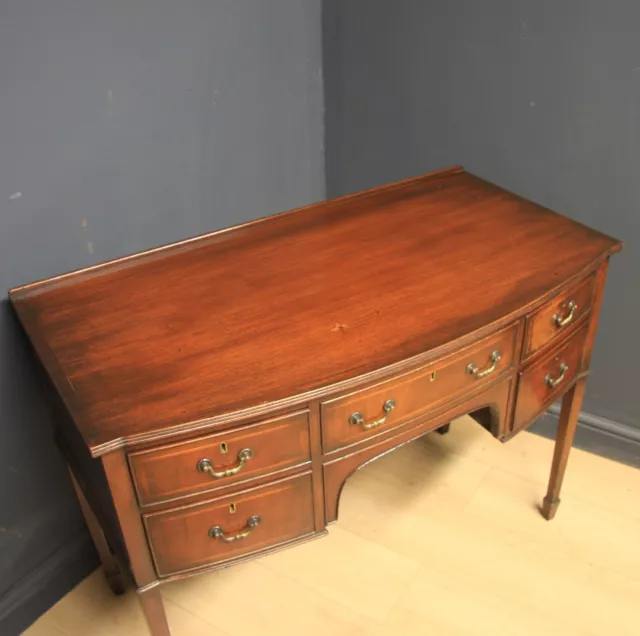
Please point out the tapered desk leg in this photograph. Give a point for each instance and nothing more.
(124, 500)
(153, 609)
(109, 562)
(571, 403)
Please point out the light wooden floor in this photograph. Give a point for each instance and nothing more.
(440, 537)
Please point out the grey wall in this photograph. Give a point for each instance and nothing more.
(123, 125)
(540, 96)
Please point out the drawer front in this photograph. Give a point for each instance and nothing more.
(215, 531)
(557, 316)
(354, 417)
(547, 378)
(214, 461)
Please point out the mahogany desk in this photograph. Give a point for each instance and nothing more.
(212, 396)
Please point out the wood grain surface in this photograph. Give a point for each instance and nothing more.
(297, 304)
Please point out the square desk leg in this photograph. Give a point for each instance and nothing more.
(571, 403)
(110, 564)
(124, 499)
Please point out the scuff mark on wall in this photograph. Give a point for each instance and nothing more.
(85, 227)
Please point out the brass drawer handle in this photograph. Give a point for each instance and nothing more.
(551, 382)
(205, 465)
(559, 321)
(358, 419)
(218, 533)
(472, 369)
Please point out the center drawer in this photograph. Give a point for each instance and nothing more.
(214, 461)
(356, 416)
(204, 534)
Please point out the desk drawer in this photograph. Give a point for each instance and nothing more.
(544, 380)
(354, 417)
(176, 470)
(561, 313)
(215, 531)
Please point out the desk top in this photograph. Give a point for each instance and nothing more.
(289, 307)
